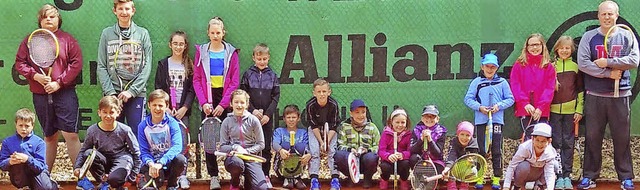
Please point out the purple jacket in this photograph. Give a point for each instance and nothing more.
(386, 144)
(436, 146)
(201, 77)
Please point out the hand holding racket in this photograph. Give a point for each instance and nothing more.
(619, 47)
(127, 64)
(82, 171)
(468, 168)
(244, 156)
(44, 49)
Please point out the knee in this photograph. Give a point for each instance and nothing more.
(71, 137)
(51, 139)
(117, 178)
(180, 159)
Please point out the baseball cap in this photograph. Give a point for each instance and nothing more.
(357, 103)
(430, 109)
(490, 58)
(541, 129)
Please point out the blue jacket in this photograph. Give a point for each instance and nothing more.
(159, 143)
(481, 89)
(31, 145)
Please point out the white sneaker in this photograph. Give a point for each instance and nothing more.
(529, 185)
(215, 183)
(183, 182)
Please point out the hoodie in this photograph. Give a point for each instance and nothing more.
(526, 153)
(161, 142)
(31, 145)
(244, 131)
(386, 144)
(436, 146)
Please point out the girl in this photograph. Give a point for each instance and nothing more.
(174, 76)
(460, 145)
(567, 107)
(282, 145)
(430, 131)
(533, 82)
(216, 75)
(397, 123)
(241, 132)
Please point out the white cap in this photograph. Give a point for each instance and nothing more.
(541, 129)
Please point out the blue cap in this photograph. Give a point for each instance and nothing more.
(357, 103)
(490, 58)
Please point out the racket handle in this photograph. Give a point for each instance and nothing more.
(435, 177)
(616, 88)
(576, 126)
(292, 138)
(218, 153)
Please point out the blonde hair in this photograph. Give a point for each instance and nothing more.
(216, 20)
(320, 82)
(110, 102)
(613, 3)
(25, 114)
(545, 52)
(158, 94)
(261, 48)
(240, 92)
(563, 40)
(116, 2)
(42, 14)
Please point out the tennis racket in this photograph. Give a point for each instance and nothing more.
(44, 49)
(395, 164)
(291, 167)
(244, 156)
(488, 136)
(423, 170)
(468, 168)
(150, 183)
(87, 163)
(619, 47)
(529, 126)
(209, 134)
(354, 167)
(325, 147)
(186, 138)
(128, 63)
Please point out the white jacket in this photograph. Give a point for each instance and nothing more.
(526, 153)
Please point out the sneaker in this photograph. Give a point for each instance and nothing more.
(451, 185)
(529, 185)
(84, 184)
(172, 188)
(479, 184)
(103, 186)
(405, 185)
(300, 184)
(287, 184)
(183, 182)
(366, 183)
(269, 185)
(384, 184)
(463, 186)
(335, 184)
(214, 183)
(627, 184)
(586, 183)
(315, 184)
(495, 183)
(567, 183)
(559, 183)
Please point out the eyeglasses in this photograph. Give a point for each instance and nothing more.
(177, 44)
(536, 45)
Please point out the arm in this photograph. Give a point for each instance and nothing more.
(140, 84)
(342, 139)
(406, 154)
(507, 96)
(435, 147)
(521, 155)
(74, 63)
(176, 142)
(275, 98)
(160, 80)
(626, 62)
(382, 152)
(145, 153)
(36, 162)
(470, 96)
(453, 154)
(86, 145)
(585, 63)
(257, 131)
(549, 174)
(233, 79)
(277, 141)
(580, 89)
(198, 77)
(102, 69)
(22, 64)
(134, 149)
(416, 142)
(5, 154)
(309, 117)
(375, 140)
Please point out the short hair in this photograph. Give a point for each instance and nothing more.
(25, 114)
(291, 108)
(261, 48)
(239, 92)
(615, 5)
(116, 2)
(563, 40)
(158, 94)
(110, 102)
(320, 82)
(42, 14)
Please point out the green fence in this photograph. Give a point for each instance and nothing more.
(390, 53)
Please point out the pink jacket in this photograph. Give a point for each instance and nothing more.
(532, 79)
(386, 144)
(201, 79)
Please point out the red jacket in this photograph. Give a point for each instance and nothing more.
(65, 68)
(532, 79)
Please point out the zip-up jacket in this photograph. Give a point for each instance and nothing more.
(569, 98)
(263, 87)
(386, 144)
(488, 92)
(316, 115)
(526, 153)
(366, 136)
(31, 145)
(435, 147)
(202, 81)
(244, 131)
(533, 79)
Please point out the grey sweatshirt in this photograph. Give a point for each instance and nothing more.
(112, 144)
(244, 131)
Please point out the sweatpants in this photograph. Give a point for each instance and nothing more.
(525, 173)
(496, 146)
(387, 169)
(314, 146)
(252, 172)
(171, 171)
(563, 140)
(133, 111)
(368, 163)
(118, 168)
(600, 111)
(21, 176)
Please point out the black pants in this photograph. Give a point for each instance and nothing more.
(368, 163)
(496, 146)
(171, 172)
(563, 140)
(598, 112)
(267, 130)
(210, 159)
(253, 176)
(387, 169)
(22, 176)
(118, 168)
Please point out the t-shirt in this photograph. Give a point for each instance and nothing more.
(176, 77)
(216, 68)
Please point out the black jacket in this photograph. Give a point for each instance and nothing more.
(263, 88)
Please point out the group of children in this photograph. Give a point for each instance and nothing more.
(543, 91)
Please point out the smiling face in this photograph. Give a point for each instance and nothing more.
(540, 143)
(322, 93)
(489, 70)
(239, 103)
(157, 108)
(399, 123)
(464, 137)
(359, 115)
(564, 51)
(534, 46)
(177, 45)
(430, 120)
(108, 115)
(124, 12)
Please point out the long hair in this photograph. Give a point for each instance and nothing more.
(186, 59)
(545, 52)
(42, 13)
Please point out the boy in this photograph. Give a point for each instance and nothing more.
(22, 155)
(463, 143)
(125, 30)
(117, 152)
(489, 93)
(261, 83)
(282, 145)
(360, 136)
(321, 109)
(160, 142)
(533, 161)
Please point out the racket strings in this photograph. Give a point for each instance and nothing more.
(42, 49)
(421, 174)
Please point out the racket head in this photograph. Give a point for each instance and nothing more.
(87, 164)
(421, 171)
(209, 134)
(186, 138)
(469, 168)
(43, 47)
(128, 62)
(354, 167)
(250, 157)
(626, 45)
(290, 167)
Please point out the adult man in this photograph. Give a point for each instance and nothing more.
(601, 72)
